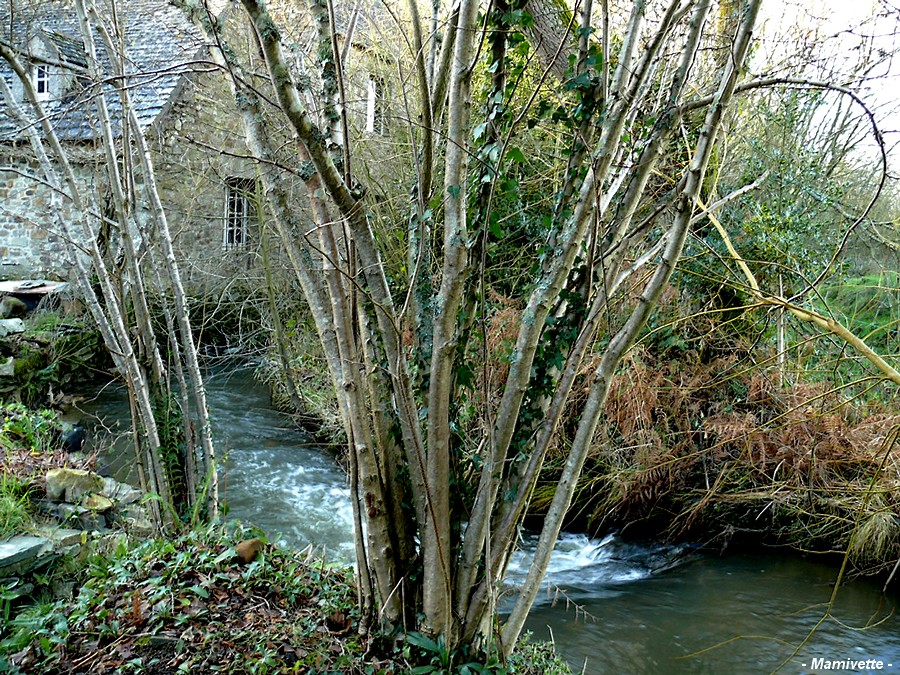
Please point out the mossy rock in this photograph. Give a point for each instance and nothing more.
(70, 484)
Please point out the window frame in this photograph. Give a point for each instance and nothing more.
(240, 212)
(40, 80)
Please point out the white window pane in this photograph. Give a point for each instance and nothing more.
(371, 104)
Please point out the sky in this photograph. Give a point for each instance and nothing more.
(840, 24)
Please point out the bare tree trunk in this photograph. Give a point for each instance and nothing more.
(688, 193)
(109, 314)
(145, 392)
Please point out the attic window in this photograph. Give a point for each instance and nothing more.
(240, 211)
(41, 81)
(375, 105)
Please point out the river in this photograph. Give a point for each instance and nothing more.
(611, 605)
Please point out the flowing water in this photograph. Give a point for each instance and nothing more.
(616, 607)
(272, 475)
(611, 606)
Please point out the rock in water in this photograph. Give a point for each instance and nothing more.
(73, 440)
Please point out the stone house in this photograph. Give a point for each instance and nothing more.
(206, 179)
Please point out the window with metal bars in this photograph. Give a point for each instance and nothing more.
(240, 210)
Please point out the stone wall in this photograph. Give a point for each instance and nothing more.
(191, 179)
(198, 145)
(32, 244)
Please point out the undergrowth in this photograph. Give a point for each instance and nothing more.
(30, 442)
(188, 604)
(308, 376)
(16, 507)
(58, 351)
(698, 449)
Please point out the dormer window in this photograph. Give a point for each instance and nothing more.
(41, 81)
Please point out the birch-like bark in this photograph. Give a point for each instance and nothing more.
(437, 591)
(419, 243)
(330, 296)
(164, 237)
(521, 483)
(441, 77)
(363, 238)
(108, 315)
(367, 442)
(285, 221)
(566, 242)
(136, 381)
(624, 338)
(466, 569)
(123, 209)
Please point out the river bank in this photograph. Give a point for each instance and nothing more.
(273, 478)
(123, 599)
(721, 446)
(720, 454)
(201, 598)
(645, 601)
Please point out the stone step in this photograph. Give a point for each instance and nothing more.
(23, 552)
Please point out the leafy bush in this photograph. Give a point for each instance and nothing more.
(32, 430)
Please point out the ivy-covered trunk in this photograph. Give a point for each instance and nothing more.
(447, 427)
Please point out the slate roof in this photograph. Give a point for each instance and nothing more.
(71, 50)
(160, 43)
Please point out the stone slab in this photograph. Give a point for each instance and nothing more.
(70, 484)
(121, 493)
(65, 537)
(11, 326)
(22, 548)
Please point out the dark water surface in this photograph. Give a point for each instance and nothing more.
(611, 606)
(741, 613)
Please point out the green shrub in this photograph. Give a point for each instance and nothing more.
(31, 430)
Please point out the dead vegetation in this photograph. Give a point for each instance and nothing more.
(708, 449)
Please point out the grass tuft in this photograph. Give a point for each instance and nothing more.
(16, 508)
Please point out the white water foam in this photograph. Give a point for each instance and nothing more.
(580, 564)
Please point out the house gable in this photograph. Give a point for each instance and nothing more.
(161, 46)
(180, 99)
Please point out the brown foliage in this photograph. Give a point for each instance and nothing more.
(699, 448)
